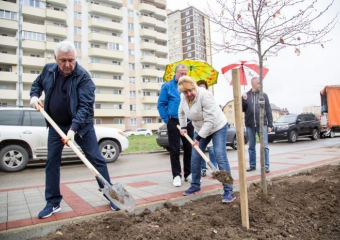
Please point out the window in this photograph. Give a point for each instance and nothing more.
(187, 12)
(189, 55)
(146, 80)
(130, 13)
(187, 20)
(130, 2)
(117, 121)
(77, 30)
(95, 31)
(147, 120)
(131, 66)
(77, 2)
(77, 15)
(116, 63)
(130, 26)
(78, 59)
(131, 39)
(35, 55)
(230, 112)
(97, 106)
(34, 36)
(146, 106)
(133, 108)
(11, 118)
(94, 60)
(58, 24)
(95, 45)
(230, 106)
(188, 34)
(117, 77)
(145, 66)
(132, 80)
(132, 94)
(144, 27)
(188, 40)
(133, 122)
(115, 34)
(35, 72)
(36, 119)
(34, 3)
(187, 27)
(114, 46)
(8, 14)
(117, 91)
(95, 75)
(160, 80)
(189, 48)
(131, 52)
(145, 40)
(117, 106)
(146, 93)
(97, 90)
(97, 121)
(56, 40)
(77, 45)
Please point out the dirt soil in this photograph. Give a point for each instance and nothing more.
(304, 206)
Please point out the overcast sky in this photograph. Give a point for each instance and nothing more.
(292, 81)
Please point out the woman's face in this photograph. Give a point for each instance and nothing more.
(190, 94)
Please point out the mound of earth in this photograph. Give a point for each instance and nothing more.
(303, 206)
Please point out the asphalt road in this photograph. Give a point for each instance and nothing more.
(139, 163)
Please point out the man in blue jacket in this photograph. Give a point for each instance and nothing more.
(168, 103)
(69, 98)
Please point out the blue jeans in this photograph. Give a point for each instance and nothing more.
(219, 139)
(251, 131)
(88, 144)
(212, 158)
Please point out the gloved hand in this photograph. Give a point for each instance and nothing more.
(35, 101)
(69, 137)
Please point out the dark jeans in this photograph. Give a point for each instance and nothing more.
(174, 137)
(88, 144)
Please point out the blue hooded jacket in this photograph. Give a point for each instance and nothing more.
(169, 100)
(81, 95)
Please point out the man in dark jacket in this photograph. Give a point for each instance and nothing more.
(168, 103)
(251, 107)
(69, 99)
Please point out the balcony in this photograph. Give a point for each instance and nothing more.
(106, 11)
(160, 26)
(148, 46)
(109, 112)
(117, 2)
(162, 62)
(106, 53)
(147, 8)
(149, 99)
(31, 27)
(50, 46)
(25, 95)
(56, 15)
(60, 3)
(33, 12)
(162, 37)
(9, 24)
(8, 94)
(102, 82)
(103, 38)
(29, 78)
(150, 113)
(147, 20)
(151, 86)
(9, 6)
(34, 45)
(160, 14)
(56, 31)
(149, 72)
(101, 67)
(33, 61)
(8, 42)
(163, 50)
(109, 98)
(149, 59)
(147, 33)
(106, 25)
(8, 77)
(160, 3)
(8, 59)
(152, 126)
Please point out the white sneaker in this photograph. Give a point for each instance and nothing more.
(177, 181)
(188, 178)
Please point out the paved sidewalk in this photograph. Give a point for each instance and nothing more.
(20, 206)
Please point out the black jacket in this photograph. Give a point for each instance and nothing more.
(251, 108)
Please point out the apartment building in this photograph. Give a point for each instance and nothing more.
(189, 35)
(312, 109)
(122, 44)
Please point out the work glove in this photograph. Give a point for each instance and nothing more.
(35, 101)
(69, 137)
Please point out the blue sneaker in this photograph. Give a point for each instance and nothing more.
(48, 211)
(228, 197)
(192, 190)
(114, 207)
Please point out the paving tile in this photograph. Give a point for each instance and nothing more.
(16, 203)
(3, 200)
(98, 203)
(3, 219)
(18, 217)
(18, 211)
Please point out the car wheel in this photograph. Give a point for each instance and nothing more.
(292, 136)
(168, 149)
(332, 134)
(109, 150)
(234, 143)
(13, 158)
(315, 134)
(148, 134)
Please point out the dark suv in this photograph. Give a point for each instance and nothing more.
(290, 127)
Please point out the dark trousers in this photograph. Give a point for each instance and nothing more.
(88, 144)
(174, 138)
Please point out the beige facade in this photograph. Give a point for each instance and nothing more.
(313, 109)
(123, 45)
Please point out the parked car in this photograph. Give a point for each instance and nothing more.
(290, 127)
(139, 131)
(162, 137)
(23, 139)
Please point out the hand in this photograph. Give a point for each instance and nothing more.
(183, 132)
(269, 130)
(69, 137)
(196, 143)
(35, 101)
(245, 96)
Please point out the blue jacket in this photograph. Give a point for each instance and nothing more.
(169, 100)
(81, 95)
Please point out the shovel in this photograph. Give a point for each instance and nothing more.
(115, 193)
(222, 176)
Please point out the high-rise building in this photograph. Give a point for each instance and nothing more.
(189, 35)
(123, 45)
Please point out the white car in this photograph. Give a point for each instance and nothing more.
(139, 131)
(23, 139)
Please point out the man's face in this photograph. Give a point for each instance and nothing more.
(255, 84)
(181, 72)
(66, 62)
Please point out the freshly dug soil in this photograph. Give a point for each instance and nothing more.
(223, 176)
(304, 206)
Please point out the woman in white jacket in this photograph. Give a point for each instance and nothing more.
(209, 122)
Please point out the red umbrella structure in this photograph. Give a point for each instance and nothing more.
(241, 66)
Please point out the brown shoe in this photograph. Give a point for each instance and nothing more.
(251, 169)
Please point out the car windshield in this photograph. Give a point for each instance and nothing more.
(286, 119)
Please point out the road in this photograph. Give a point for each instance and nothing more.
(139, 163)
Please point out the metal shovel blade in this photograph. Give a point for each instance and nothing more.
(117, 194)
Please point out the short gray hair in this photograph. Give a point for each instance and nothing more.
(66, 47)
(180, 66)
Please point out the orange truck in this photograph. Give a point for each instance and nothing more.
(330, 111)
